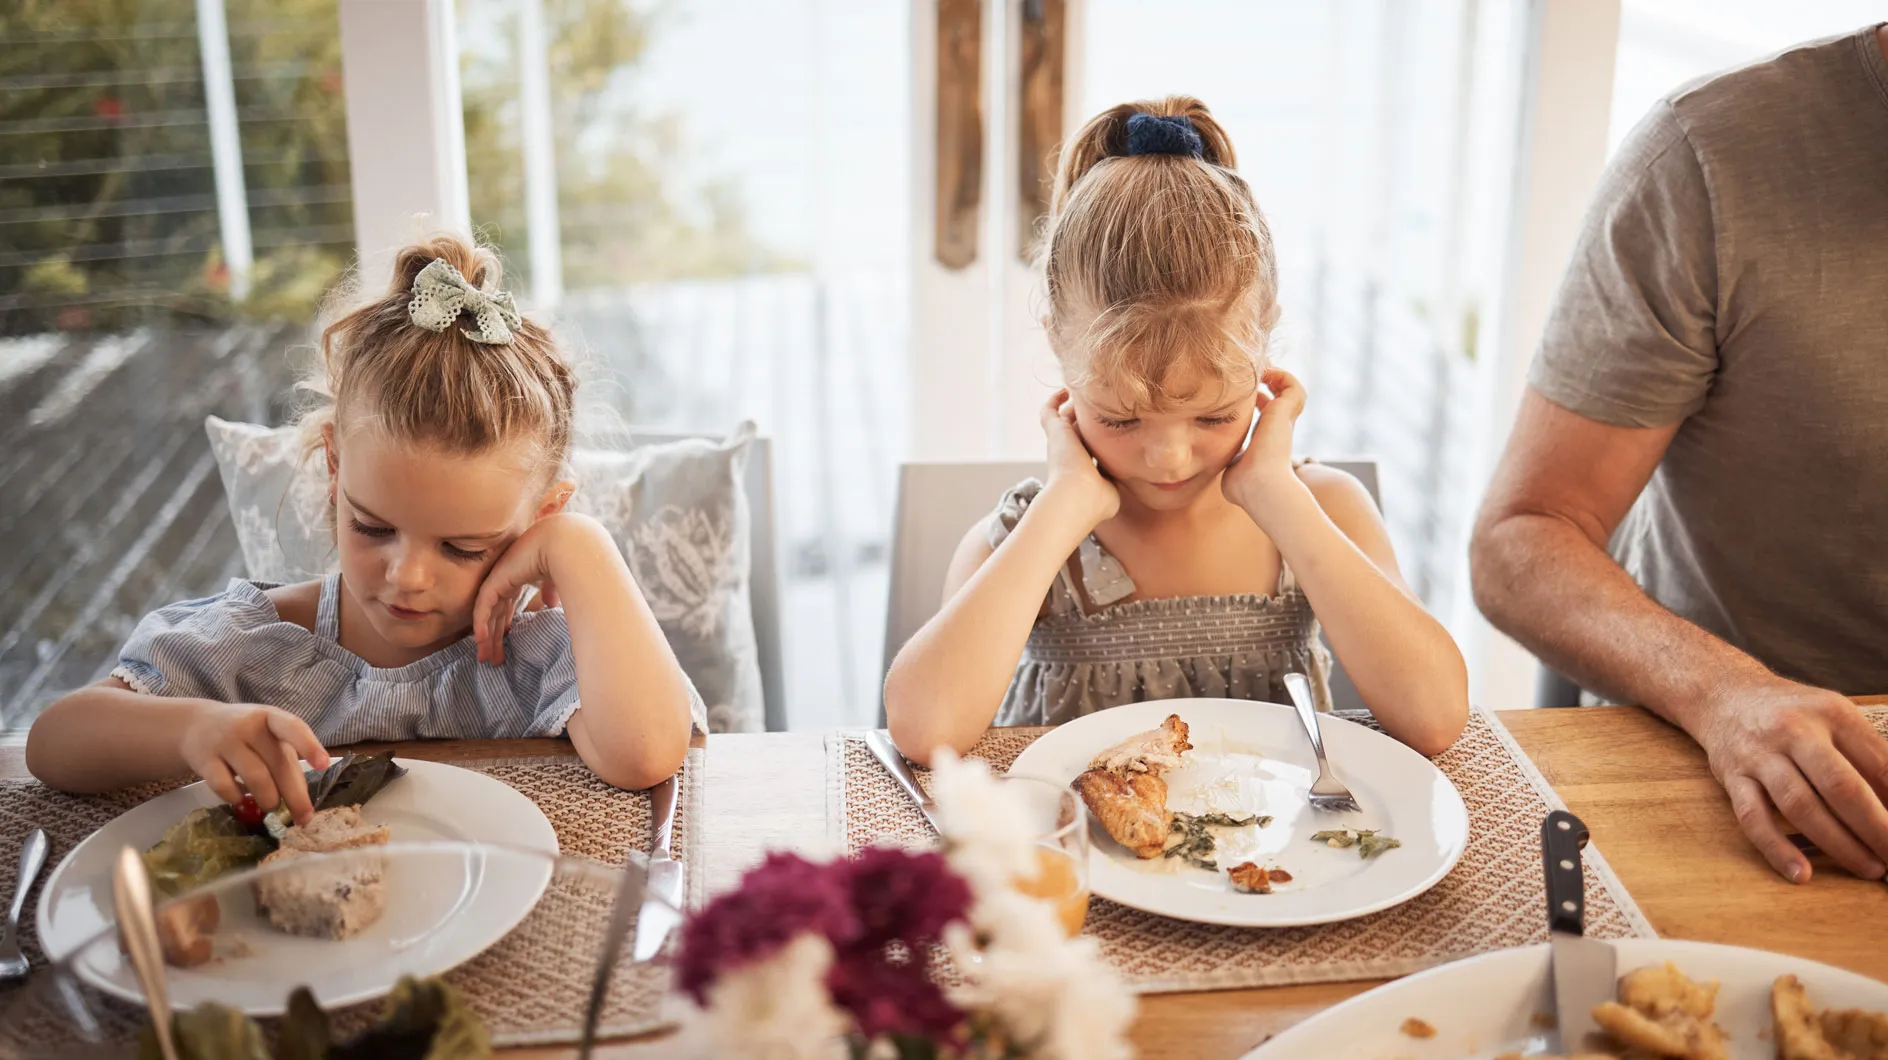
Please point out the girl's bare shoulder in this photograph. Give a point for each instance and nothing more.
(296, 603)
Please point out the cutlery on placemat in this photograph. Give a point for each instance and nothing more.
(880, 744)
(1585, 970)
(32, 859)
(1326, 792)
(662, 898)
(629, 895)
(137, 927)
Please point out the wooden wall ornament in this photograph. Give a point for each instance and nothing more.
(1044, 39)
(959, 130)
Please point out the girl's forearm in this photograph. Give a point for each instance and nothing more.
(1404, 663)
(946, 684)
(100, 737)
(633, 726)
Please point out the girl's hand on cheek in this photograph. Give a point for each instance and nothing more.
(1266, 463)
(524, 564)
(1072, 468)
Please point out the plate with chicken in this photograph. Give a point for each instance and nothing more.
(1199, 812)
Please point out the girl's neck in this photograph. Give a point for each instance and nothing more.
(1209, 507)
(358, 636)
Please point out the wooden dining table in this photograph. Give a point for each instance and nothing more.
(1642, 787)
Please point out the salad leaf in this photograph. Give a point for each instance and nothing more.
(423, 1019)
(358, 780)
(207, 843)
(208, 1032)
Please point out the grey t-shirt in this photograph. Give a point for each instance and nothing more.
(1733, 273)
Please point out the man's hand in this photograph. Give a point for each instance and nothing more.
(1811, 755)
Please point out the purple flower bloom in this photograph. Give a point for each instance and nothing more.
(893, 997)
(903, 897)
(882, 910)
(781, 898)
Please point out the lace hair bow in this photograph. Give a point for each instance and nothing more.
(440, 294)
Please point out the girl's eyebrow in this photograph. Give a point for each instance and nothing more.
(362, 509)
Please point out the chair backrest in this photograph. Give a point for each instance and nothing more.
(764, 566)
(938, 502)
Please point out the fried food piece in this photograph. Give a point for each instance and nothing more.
(1133, 809)
(1662, 1012)
(184, 928)
(1863, 1034)
(1416, 1028)
(1838, 1034)
(1256, 879)
(1153, 751)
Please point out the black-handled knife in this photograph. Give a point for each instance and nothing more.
(1585, 970)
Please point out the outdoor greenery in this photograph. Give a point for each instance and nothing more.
(107, 197)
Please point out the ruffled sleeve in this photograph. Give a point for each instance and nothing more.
(198, 648)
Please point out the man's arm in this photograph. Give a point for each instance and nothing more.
(1541, 574)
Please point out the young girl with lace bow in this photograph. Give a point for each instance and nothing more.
(445, 420)
(1167, 556)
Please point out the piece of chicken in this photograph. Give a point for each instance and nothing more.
(1863, 1034)
(1662, 1012)
(1133, 809)
(1153, 751)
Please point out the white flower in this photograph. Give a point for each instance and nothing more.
(779, 1008)
(991, 838)
(1054, 995)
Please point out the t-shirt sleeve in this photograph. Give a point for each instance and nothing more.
(195, 648)
(1632, 338)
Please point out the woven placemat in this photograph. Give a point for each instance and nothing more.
(531, 987)
(1494, 899)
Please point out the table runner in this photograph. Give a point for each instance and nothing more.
(531, 986)
(1494, 898)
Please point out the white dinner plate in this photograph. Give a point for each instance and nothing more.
(1485, 1006)
(1251, 757)
(463, 904)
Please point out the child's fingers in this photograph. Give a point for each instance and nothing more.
(255, 775)
(221, 781)
(292, 783)
(293, 731)
(548, 593)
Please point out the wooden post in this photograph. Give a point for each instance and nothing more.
(959, 130)
(1044, 34)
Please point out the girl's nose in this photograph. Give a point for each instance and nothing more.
(1169, 456)
(409, 572)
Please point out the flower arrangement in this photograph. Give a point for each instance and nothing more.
(852, 957)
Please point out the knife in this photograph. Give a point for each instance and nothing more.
(1585, 970)
(880, 743)
(662, 899)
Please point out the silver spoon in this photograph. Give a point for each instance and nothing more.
(32, 858)
(137, 923)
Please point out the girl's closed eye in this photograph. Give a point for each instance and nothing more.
(1216, 421)
(370, 530)
(470, 555)
(1115, 424)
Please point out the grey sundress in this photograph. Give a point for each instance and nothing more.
(1234, 646)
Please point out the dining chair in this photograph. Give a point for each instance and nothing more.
(1553, 690)
(939, 500)
(764, 566)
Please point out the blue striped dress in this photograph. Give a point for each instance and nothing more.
(235, 648)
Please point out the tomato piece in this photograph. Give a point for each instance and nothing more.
(248, 812)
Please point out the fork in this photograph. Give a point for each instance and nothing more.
(32, 856)
(1327, 793)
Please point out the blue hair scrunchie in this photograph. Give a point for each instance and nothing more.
(1150, 134)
